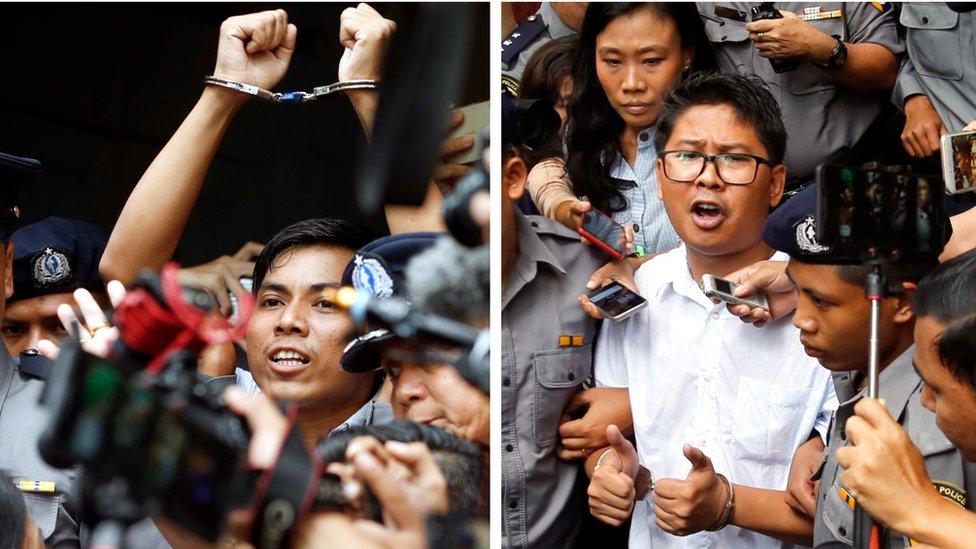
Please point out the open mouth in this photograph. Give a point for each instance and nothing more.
(287, 360)
(706, 214)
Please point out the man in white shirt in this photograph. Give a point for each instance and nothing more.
(718, 406)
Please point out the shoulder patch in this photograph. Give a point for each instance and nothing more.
(521, 37)
(951, 491)
(50, 268)
(510, 85)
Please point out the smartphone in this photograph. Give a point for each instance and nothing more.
(959, 162)
(604, 232)
(724, 290)
(616, 302)
(897, 213)
(476, 118)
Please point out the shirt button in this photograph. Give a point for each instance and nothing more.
(571, 376)
(724, 38)
(506, 382)
(708, 379)
(644, 136)
(636, 227)
(842, 530)
(509, 448)
(925, 20)
(715, 315)
(513, 504)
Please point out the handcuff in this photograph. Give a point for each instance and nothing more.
(294, 96)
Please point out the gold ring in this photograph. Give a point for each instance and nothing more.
(586, 453)
(95, 330)
(760, 37)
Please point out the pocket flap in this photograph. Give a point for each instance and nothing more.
(563, 368)
(933, 17)
(43, 510)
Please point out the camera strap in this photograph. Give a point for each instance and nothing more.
(285, 493)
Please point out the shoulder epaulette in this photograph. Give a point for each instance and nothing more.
(521, 37)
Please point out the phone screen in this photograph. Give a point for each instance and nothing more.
(858, 209)
(605, 230)
(615, 299)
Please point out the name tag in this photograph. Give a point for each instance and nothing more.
(36, 486)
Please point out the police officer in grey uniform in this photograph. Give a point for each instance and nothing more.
(826, 105)
(547, 356)
(21, 416)
(553, 20)
(792, 229)
(938, 75)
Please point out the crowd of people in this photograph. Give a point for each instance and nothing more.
(386, 411)
(699, 422)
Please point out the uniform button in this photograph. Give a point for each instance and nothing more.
(506, 382)
(925, 20)
(513, 504)
(842, 530)
(572, 376)
(724, 38)
(636, 227)
(644, 136)
(509, 448)
(535, 225)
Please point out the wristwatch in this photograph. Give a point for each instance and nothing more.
(838, 56)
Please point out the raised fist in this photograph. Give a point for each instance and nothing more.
(365, 35)
(256, 48)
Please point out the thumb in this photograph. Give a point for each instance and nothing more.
(624, 449)
(285, 50)
(699, 461)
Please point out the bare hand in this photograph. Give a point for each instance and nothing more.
(256, 48)
(769, 277)
(683, 507)
(611, 491)
(577, 211)
(604, 406)
(971, 127)
(884, 471)
(365, 35)
(787, 38)
(616, 271)
(447, 174)
(923, 127)
(801, 492)
(222, 276)
(94, 332)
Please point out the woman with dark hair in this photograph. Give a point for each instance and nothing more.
(628, 58)
(17, 530)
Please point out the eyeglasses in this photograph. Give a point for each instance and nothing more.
(732, 168)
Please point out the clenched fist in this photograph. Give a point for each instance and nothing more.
(256, 48)
(365, 34)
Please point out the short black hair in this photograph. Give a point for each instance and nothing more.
(748, 96)
(896, 273)
(325, 230)
(460, 461)
(546, 68)
(13, 513)
(946, 294)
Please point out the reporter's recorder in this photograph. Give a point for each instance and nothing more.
(616, 302)
(724, 290)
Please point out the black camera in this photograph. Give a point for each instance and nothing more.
(150, 439)
(767, 10)
(884, 213)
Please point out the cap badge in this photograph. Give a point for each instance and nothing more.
(51, 267)
(806, 237)
(371, 276)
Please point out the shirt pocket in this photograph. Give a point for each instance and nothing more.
(43, 510)
(558, 375)
(725, 31)
(767, 419)
(809, 78)
(933, 40)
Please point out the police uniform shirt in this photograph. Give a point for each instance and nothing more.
(820, 116)
(941, 61)
(519, 46)
(546, 356)
(901, 388)
(22, 419)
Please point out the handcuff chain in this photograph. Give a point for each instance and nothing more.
(295, 96)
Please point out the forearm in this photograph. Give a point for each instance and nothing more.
(766, 512)
(365, 103)
(590, 463)
(869, 67)
(941, 524)
(548, 185)
(154, 216)
(426, 217)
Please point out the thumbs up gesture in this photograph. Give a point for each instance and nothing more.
(683, 507)
(611, 492)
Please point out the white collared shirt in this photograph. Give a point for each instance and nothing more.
(746, 396)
